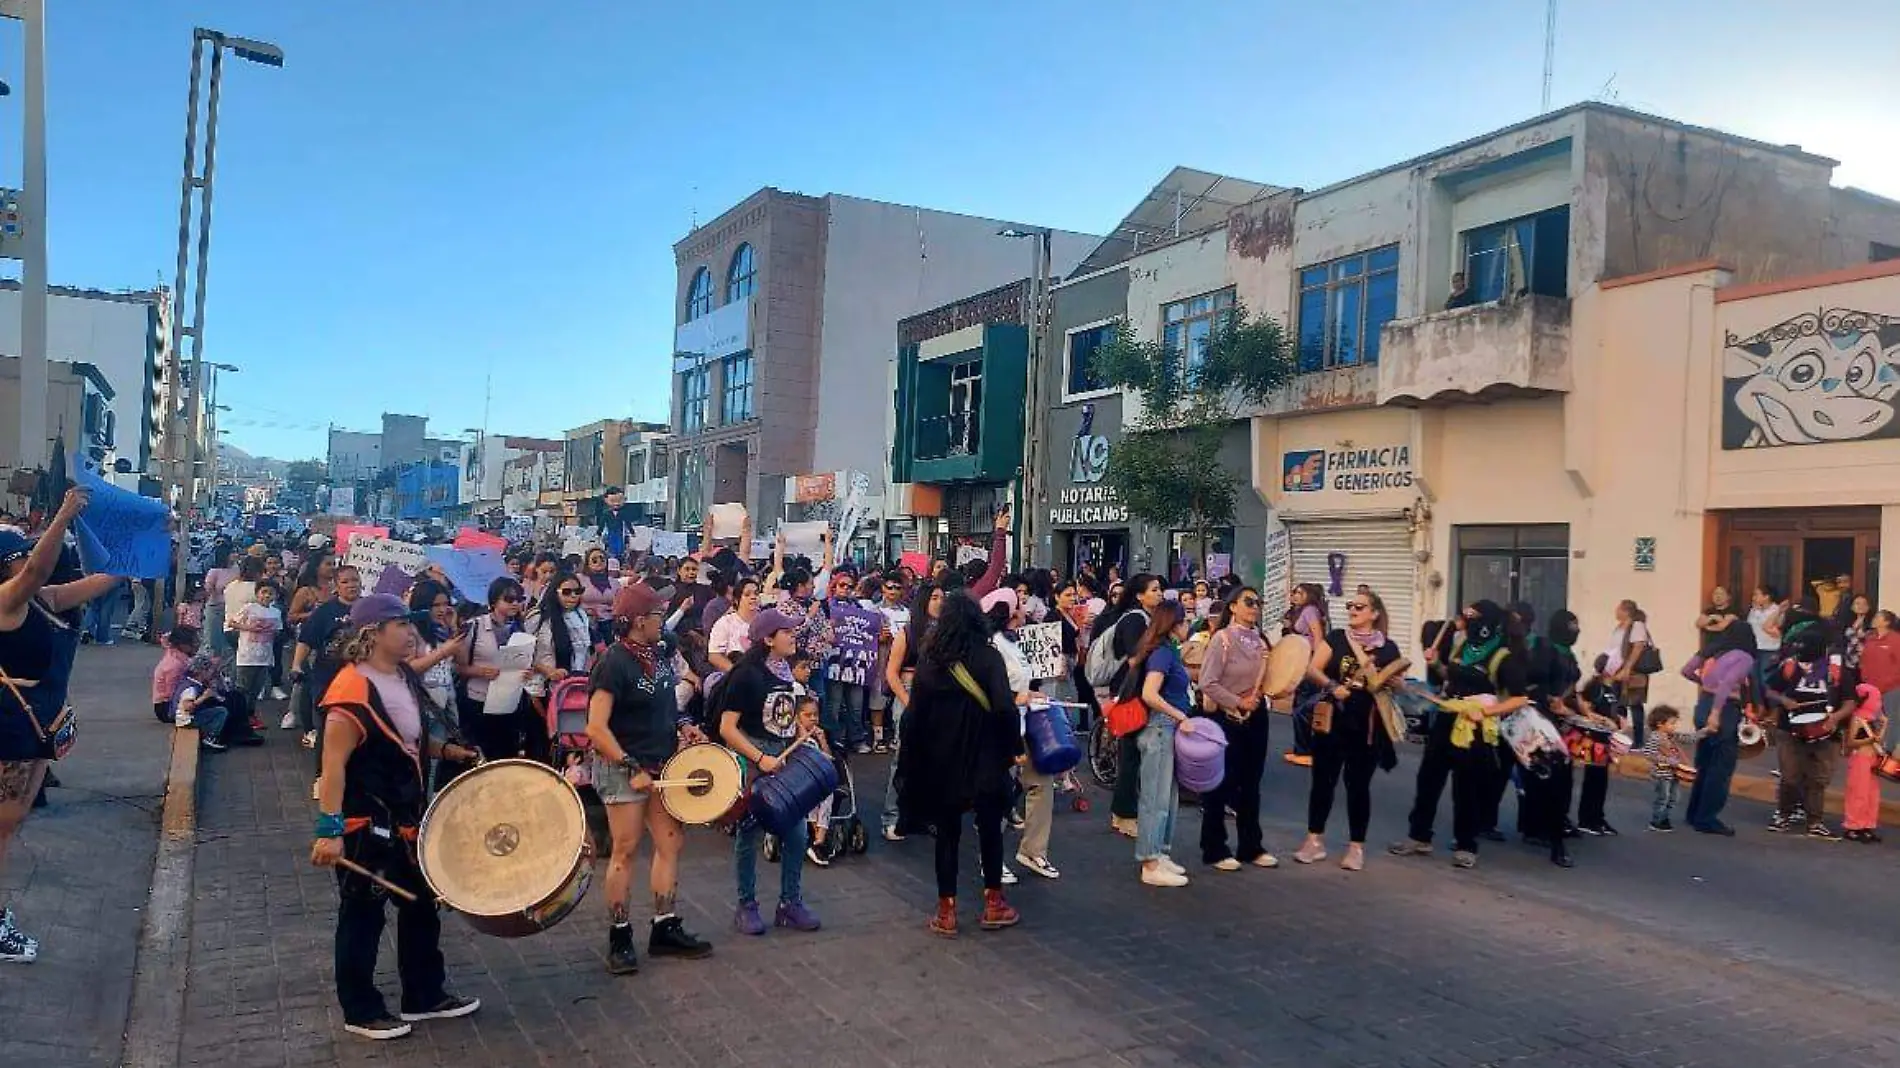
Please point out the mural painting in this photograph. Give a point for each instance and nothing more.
(1823, 376)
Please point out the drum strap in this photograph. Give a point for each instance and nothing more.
(968, 682)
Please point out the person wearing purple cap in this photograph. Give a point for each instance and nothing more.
(758, 719)
(370, 801)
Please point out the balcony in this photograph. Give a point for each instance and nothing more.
(947, 436)
(1519, 348)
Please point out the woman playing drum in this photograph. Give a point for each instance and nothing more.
(633, 721)
(1353, 665)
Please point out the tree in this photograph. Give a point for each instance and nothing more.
(1167, 468)
(303, 476)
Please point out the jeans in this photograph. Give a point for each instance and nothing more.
(1158, 797)
(210, 721)
(1239, 788)
(745, 849)
(98, 617)
(214, 637)
(844, 705)
(1715, 760)
(359, 931)
(989, 838)
(253, 680)
(140, 621)
(1664, 800)
(889, 817)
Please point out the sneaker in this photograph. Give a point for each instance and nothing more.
(795, 915)
(882, 746)
(212, 745)
(1779, 822)
(288, 723)
(381, 1029)
(449, 1008)
(1606, 831)
(1265, 860)
(1168, 863)
(816, 857)
(1355, 858)
(1156, 875)
(1661, 825)
(1718, 828)
(1225, 864)
(1039, 865)
(277, 694)
(892, 834)
(670, 938)
(997, 912)
(1009, 876)
(861, 748)
(16, 946)
(1823, 832)
(621, 959)
(256, 725)
(1409, 847)
(1123, 826)
(746, 919)
(1462, 859)
(1314, 852)
(309, 740)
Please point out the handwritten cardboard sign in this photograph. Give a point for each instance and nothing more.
(372, 556)
(1041, 645)
(476, 538)
(469, 570)
(669, 543)
(120, 532)
(804, 539)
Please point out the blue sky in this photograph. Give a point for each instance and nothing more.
(434, 192)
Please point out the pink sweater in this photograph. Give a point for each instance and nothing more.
(165, 677)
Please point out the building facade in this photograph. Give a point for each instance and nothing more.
(1428, 438)
(355, 455)
(787, 308)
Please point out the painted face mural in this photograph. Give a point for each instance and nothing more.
(1832, 375)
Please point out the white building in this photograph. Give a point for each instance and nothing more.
(126, 337)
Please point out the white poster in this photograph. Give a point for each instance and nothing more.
(805, 539)
(343, 500)
(1277, 574)
(513, 660)
(967, 553)
(761, 549)
(725, 521)
(371, 556)
(669, 543)
(640, 539)
(1041, 645)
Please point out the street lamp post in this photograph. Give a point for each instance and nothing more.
(1030, 484)
(185, 448)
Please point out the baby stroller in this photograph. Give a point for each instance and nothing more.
(844, 830)
(573, 753)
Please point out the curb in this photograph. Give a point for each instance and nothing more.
(155, 1025)
(1760, 787)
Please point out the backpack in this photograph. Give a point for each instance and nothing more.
(1102, 662)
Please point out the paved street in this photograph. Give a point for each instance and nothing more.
(80, 873)
(1656, 950)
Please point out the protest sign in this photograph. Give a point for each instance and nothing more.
(967, 553)
(640, 539)
(669, 543)
(804, 539)
(1275, 585)
(468, 570)
(575, 541)
(761, 549)
(373, 556)
(476, 538)
(917, 562)
(347, 531)
(120, 532)
(725, 521)
(854, 632)
(1041, 645)
(394, 582)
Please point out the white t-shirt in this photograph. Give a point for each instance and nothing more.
(731, 635)
(257, 648)
(1759, 618)
(1621, 636)
(237, 594)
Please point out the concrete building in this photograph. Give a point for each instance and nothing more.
(354, 455)
(648, 460)
(787, 308)
(78, 407)
(1432, 452)
(594, 458)
(484, 470)
(126, 338)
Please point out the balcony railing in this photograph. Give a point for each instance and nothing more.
(1514, 348)
(945, 436)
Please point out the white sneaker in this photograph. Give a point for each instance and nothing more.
(1160, 876)
(1226, 864)
(1168, 863)
(288, 723)
(1009, 876)
(1266, 860)
(309, 740)
(277, 694)
(1039, 865)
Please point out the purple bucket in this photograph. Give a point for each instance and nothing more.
(1200, 758)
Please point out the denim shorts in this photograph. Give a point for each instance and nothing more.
(614, 783)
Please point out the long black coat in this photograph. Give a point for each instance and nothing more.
(953, 751)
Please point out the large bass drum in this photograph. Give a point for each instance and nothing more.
(506, 846)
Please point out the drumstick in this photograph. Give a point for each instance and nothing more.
(346, 863)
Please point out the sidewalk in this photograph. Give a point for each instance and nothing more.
(80, 872)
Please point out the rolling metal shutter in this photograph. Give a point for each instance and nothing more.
(1378, 553)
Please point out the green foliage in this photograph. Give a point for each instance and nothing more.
(305, 475)
(1167, 466)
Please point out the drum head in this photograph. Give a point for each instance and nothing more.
(721, 781)
(1806, 718)
(502, 838)
(1286, 665)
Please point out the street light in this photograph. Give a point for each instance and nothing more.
(1030, 485)
(262, 53)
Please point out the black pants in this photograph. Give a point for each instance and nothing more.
(989, 840)
(1127, 777)
(1596, 790)
(1544, 809)
(523, 733)
(359, 931)
(1240, 789)
(1502, 761)
(1806, 768)
(1303, 724)
(1334, 756)
(1470, 772)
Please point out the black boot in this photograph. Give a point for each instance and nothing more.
(621, 959)
(670, 938)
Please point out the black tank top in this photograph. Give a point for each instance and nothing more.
(26, 651)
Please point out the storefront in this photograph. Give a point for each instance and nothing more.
(1088, 523)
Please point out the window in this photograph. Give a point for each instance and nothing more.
(1879, 253)
(1079, 374)
(1189, 558)
(966, 406)
(636, 466)
(740, 276)
(1508, 564)
(736, 403)
(1187, 324)
(1527, 255)
(695, 391)
(692, 490)
(1342, 306)
(699, 295)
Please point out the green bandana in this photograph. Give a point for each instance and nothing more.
(1472, 654)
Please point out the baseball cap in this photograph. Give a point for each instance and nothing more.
(317, 541)
(770, 622)
(13, 545)
(637, 599)
(373, 609)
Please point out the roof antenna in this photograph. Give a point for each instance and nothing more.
(695, 210)
(1550, 49)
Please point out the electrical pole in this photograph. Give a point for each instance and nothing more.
(1550, 50)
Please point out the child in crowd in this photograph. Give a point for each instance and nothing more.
(819, 852)
(257, 625)
(190, 610)
(1862, 802)
(180, 646)
(801, 677)
(1664, 750)
(196, 703)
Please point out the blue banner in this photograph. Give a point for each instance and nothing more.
(121, 532)
(468, 570)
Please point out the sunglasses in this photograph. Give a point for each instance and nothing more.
(1357, 606)
(570, 593)
(1250, 602)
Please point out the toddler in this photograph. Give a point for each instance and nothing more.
(1664, 750)
(819, 851)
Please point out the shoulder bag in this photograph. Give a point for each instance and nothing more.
(1128, 713)
(1389, 713)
